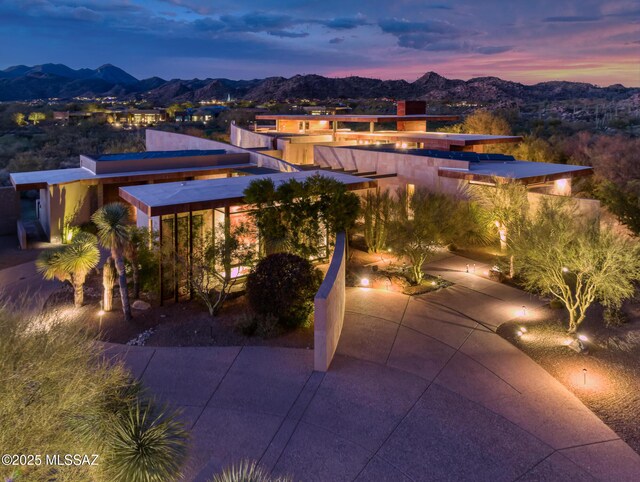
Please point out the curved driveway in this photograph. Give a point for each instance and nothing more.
(421, 389)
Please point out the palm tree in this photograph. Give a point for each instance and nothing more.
(71, 262)
(113, 232)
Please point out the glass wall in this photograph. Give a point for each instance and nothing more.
(235, 220)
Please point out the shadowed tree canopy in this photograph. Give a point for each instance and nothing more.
(296, 216)
(485, 122)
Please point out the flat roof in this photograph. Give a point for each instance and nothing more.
(130, 156)
(516, 170)
(456, 155)
(173, 197)
(23, 181)
(450, 138)
(359, 117)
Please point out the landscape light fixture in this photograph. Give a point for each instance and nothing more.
(519, 333)
(565, 269)
(523, 329)
(100, 314)
(583, 337)
(364, 282)
(584, 375)
(524, 310)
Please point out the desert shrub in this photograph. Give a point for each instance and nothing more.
(376, 214)
(614, 316)
(283, 285)
(246, 471)
(144, 443)
(60, 395)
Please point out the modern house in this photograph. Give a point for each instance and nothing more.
(293, 137)
(408, 155)
(114, 116)
(179, 175)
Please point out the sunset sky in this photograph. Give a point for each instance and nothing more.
(525, 41)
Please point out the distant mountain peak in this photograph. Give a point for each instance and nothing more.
(44, 81)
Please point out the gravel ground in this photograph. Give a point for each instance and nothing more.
(610, 387)
(186, 323)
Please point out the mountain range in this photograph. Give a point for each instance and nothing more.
(24, 83)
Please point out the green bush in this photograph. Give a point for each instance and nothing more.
(283, 285)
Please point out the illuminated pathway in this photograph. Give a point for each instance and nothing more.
(421, 389)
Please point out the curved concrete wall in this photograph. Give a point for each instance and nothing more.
(329, 302)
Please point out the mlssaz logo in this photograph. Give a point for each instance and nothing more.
(72, 459)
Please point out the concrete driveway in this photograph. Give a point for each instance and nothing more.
(421, 389)
(22, 284)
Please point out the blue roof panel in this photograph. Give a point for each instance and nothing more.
(130, 156)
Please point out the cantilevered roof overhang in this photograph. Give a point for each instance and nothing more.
(524, 171)
(24, 181)
(376, 118)
(178, 197)
(462, 140)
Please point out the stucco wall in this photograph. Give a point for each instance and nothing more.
(297, 152)
(329, 304)
(250, 140)
(410, 169)
(9, 210)
(170, 141)
(69, 204)
(586, 208)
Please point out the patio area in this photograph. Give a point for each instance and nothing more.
(421, 388)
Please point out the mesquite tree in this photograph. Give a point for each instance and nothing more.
(215, 263)
(576, 262)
